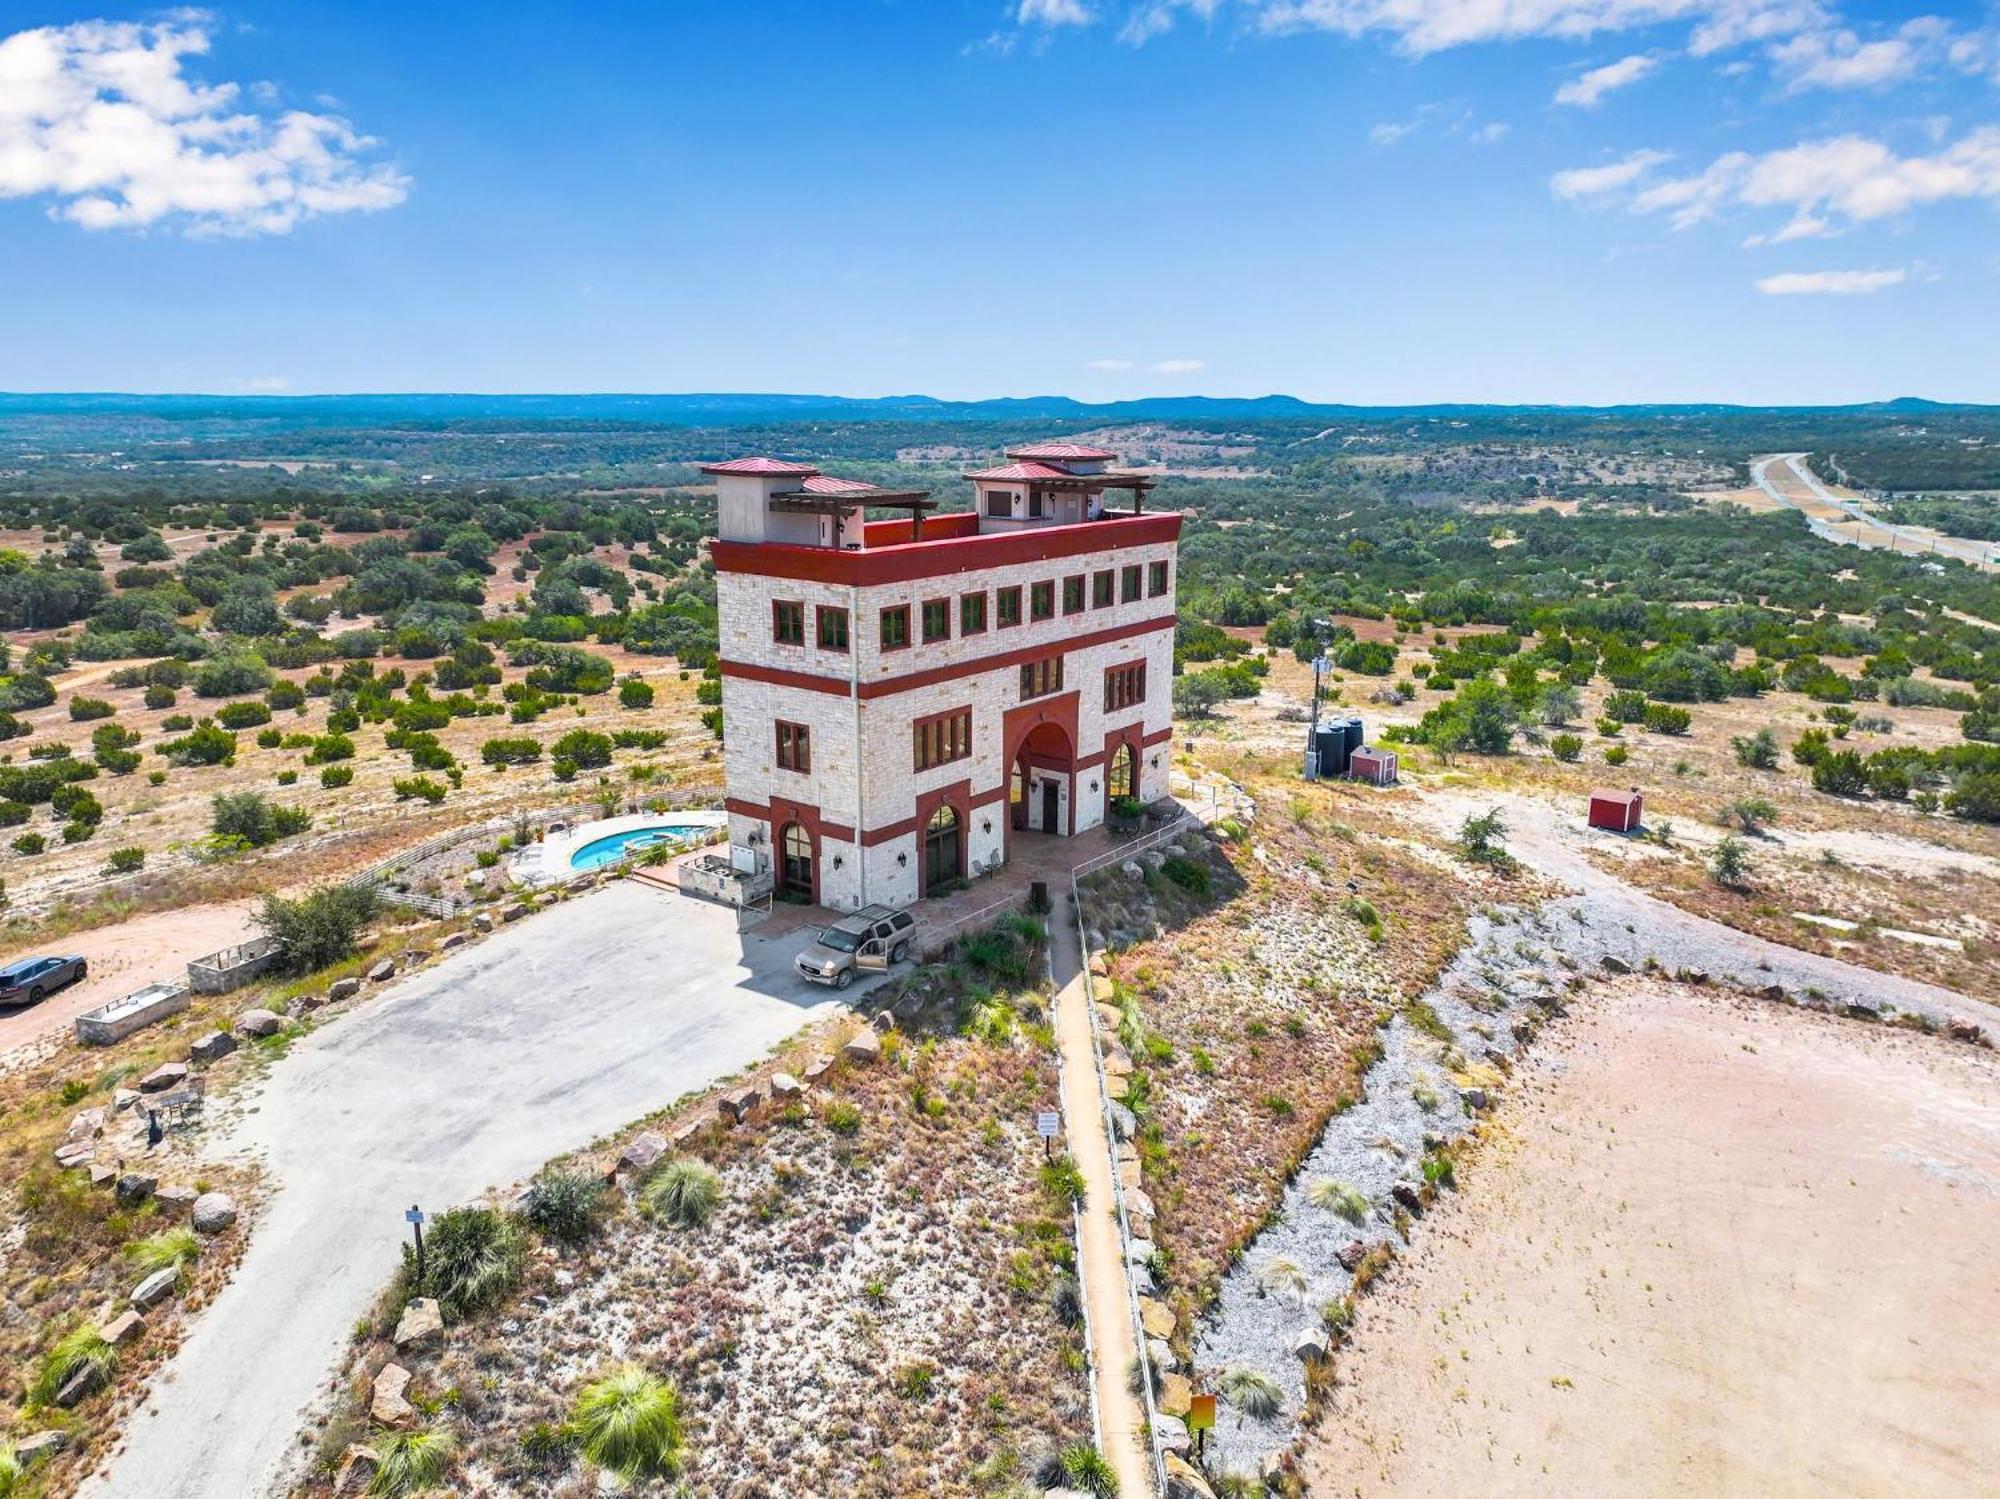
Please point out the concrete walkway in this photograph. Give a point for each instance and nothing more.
(1101, 1257)
(550, 1034)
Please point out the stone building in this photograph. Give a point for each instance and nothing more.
(905, 700)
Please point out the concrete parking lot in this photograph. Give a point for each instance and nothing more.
(468, 1076)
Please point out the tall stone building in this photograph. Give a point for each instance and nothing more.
(905, 700)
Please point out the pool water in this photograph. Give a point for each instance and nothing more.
(609, 850)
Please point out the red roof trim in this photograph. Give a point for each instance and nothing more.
(946, 556)
(1076, 452)
(769, 468)
(1022, 472)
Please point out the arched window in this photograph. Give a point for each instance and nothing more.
(795, 852)
(1120, 780)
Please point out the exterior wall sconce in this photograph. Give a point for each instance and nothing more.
(902, 860)
(839, 860)
(754, 839)
(985, 824)
(1155, 761)
(1093, 785)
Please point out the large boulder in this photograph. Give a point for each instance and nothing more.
(87, 1125)
(1156, 1317)
(134, 1187)
(388, 1405)
(123, 1328)
(382, 972)
(213, 1212)
(76, 1153)
(740, 1104)
(164, 1077)
(1183, 1482)
(259, 1023)
(421, 1324)
(155, 1288)
(39, 1448)
(357, 1469)
(212, 1047)
(86, 1382)
(176, 1198)
(643, 1151)
(454, 939)
(1311, 1345)
(1171, 1433)
(345, 988)
(862, 1047)
(785, 1087)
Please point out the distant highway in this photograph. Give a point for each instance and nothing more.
(1786, 478)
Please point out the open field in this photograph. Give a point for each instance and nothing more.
(1707, 1246)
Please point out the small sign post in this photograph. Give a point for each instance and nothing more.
(415, 1218)
(1048, 1124)
(1200, 1419)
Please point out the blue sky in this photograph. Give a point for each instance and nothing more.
(1355, 200)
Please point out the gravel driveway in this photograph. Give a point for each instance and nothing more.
(468, 1076)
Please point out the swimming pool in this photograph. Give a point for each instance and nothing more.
(609, 850)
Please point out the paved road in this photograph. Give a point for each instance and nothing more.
(543, 1038)
(1788, 479)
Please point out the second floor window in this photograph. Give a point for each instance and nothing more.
(896, 627)
(1124, 686)
(788, 623)
(937, 620)
(999, 505)
(942, 738)
(1007, 606)
(971, 613)
(794, 747)
(1156, 579)
(1100, 589)
(1073, 595)
(1042, 601)
(1130, 581)
(832, 628)
(1040, 678)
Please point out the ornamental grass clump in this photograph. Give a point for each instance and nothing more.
(170, 1249)
(1339, 1197)
(681, 1191)
(1256, 1395)
(76, 1351)
(473, 1257)
(411, 1462)
(565, 1206)
(629, 1422)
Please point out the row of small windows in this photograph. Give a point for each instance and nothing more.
(1121, 585)
(945, 737)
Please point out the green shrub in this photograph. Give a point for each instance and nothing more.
(411, 1462)
(159, 696)
(518, 751)
(125, 860)
(30, 843)
(320, 927)
(270, 739)
(629, 1423)
(1660, 718)
(1339, 1197)
(633, 693)
(682, 1191)
(1254, 1394)
(583, 749)
(1729, 864)
(249, 816)
(1566, 747)
(243, 715)
(472, 1257)
(330, 747)
(169, 1249)
(842, 1117)
(335, 776)
(1062, 1179)
(1758, 752)
(1085, 1469)
(565, 1205)
(1189, 875)
(81, 1348)
(84, 709)
(205, 745)
(1840, 773)
(1617, 755)
(419, 788)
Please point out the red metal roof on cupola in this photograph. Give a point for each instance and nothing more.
(1022, 471)
(828, 484)
(774, 468)
(1066, 452)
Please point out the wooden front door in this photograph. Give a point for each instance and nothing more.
(1051, 806)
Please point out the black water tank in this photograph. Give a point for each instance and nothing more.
(1326, 746)
(1352, 740)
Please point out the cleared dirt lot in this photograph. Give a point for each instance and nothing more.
(1713, 1247)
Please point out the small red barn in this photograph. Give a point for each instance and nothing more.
(1372, 764)
(1619, 811)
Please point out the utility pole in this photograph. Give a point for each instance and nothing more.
(1320, 668)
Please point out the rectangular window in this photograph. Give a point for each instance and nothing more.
(1042, 601)
(937, 620)
(794, 747)
(832, 628)
(1100, 589)
(972, 614)
(1038, 504)
(942, 738)
(1156, 579)
(999, 506)
(1124, 686)
(896, 627)
(1007, 606)
(1040, 678)
(1073, 595)
(788, 622)
(1130, 580)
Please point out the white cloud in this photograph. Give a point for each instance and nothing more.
(1736, 22)
(1849, 176)
(1596, 182)
(1802, 226)
(1052, 13)
(1840, 59)
(1389, 132)
(100, 117)
(1587, 89)
(1109, 364)
(1176, 366)
(1491, 133)
(1829, 283)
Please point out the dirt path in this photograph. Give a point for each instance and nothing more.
(1102, 1259)
(128, 956)
(1714, 1247)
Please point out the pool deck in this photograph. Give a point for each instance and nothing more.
(548, 862)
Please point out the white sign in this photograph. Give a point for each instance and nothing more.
(1048, 1124)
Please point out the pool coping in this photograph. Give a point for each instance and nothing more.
(547, 862)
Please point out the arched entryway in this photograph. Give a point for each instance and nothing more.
(1121, 776)
(795, 862)
(944, 849)
(1038, 786)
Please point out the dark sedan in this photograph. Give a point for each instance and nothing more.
(26, 982)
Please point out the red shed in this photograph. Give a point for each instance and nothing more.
(1371, 763)
(1620, 811)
